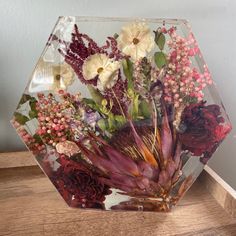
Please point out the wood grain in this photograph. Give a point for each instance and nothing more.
(29, 205)
(16, 159)
(220, 190)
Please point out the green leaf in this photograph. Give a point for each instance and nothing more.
(102, 124)
(37, 138)
(189, 99)
(111, 123)
(32, 103)
(128, 71)
(120, 120)
(115, 36)
(33, 114)
(24, 99)
(135, 106)
(96, 95)
(145, 109)
(21, 119)
(160, 39)
(91, 104)
(160, 59)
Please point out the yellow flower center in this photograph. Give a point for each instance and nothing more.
(135, 41)
(57, 77)
(100, 70)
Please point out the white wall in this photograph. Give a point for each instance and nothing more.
(25, 26)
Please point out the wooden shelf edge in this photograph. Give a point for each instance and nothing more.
(224, 194)
(16, 159)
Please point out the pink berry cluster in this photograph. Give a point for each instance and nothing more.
(56, 118)
(183, 82)
(33, 144)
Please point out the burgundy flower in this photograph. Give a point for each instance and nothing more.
(79, 186)
(202, 129)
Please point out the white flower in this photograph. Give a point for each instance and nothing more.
(101, 66)
(49, 76)
(63, 76)
(136, 40)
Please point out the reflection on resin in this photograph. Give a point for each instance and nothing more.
(126, 124)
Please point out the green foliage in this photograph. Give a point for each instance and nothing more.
(160, 59)
(134, 108)
(33, 113)
(24, 99)
(21, 119)
(37, 138)
(189, 100)
(160, 39)
(90, 102)
(96, 95)
(116, 36)
(112, 123)
(103, 124)
(144, 109)
(128, 71)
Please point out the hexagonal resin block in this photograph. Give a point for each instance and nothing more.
(121, 113)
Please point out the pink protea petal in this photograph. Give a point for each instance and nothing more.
(164, 179)
(124, 164)
(143, 183)
(120, 181)
(147, 170)
(100, 162)
(166, 136)
(177, 155)
(171, 168)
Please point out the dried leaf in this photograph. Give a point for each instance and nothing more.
(160, 39)
(160, 59)
(21, 119)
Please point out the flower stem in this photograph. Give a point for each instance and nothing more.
(155, 124)
(121, 109)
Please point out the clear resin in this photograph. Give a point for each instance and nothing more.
(121, 114)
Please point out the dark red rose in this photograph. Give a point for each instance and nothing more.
(79, 186)
(202, 129)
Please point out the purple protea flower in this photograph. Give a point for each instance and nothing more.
(137, 161)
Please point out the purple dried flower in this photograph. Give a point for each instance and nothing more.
(128, 162)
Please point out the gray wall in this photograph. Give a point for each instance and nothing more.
(25, 26)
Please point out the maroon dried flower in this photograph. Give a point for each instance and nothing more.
(79, 186)
(203, 129)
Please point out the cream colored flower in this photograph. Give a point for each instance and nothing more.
(49, 76)
(103, 67)
(63, 76)
(136, 40)
(68, 148)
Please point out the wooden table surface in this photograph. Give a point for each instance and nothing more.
(29, 205)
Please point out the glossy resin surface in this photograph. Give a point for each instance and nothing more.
(121, 114)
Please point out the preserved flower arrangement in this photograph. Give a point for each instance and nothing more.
(121, 114)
